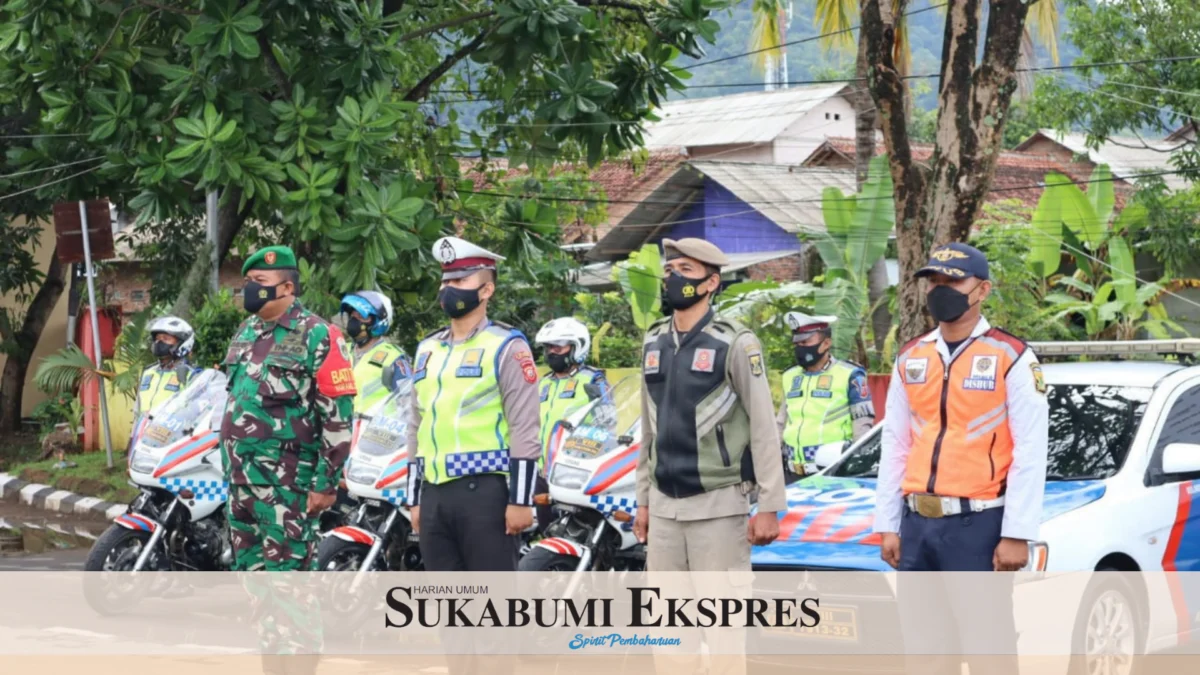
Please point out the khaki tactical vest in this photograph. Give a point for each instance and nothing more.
(701, 429)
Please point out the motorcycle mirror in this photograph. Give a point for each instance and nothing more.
(625, 440)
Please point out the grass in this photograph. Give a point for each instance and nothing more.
(91, 478)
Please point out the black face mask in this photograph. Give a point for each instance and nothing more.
(559, 363)
(683, 292)
(948, 305)
(358, 331)
(808, 355)
(458, 302)
(162, 350)
(255, 296)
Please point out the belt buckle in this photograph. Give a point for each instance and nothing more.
(929, 506)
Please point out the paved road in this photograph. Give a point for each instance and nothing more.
(69, 559)
(50, 540)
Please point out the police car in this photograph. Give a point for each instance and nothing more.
(1123, 471)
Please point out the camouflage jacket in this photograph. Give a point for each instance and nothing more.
(288, 419)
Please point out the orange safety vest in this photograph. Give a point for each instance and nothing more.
(961, 445)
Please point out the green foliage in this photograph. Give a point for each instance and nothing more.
(620, 346)
(67, 369)
(327, 128)
(59, 408)
(1015, 303)
(641, 279)
(761, 305)
(1171, 230)
(857, 230)
(215, 324)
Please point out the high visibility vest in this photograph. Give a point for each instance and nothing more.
(159, 384)
(818, 408)
(560, 398)
(463, 431)
(368, 375)
(961, 446)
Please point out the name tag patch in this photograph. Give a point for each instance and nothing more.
(419, 369)
(545, 393)
(821, 393)
(469, 366)
(914, 370)
(702, 361)
(979, 383)
(650, 365)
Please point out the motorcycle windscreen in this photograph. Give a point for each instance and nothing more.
(612, 420)
(386, 430)
(177, 416)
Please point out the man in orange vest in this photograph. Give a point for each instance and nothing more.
(962, 467)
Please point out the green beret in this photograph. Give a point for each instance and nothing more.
(271, 258)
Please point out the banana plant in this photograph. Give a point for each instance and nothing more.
(1103, 290)
(641, 280)
(64, 370)
(857, 228)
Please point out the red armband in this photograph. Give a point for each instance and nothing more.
(335, 377)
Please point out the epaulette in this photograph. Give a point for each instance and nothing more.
(1005, 336)
(852, 364)
(913, 342)
(435, 333)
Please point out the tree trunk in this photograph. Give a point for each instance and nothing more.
(865, 123)
(195, 285)
(12, 382)
(973, 102)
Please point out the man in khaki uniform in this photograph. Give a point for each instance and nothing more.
(708, 431)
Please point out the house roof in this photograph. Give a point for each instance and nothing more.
(1125, 157)
(1019, 175)
(755, 117)
(624, 181)
(788, 196)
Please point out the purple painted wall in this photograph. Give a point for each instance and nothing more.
(731, 224)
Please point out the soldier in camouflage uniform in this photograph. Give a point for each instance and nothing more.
(285, 435)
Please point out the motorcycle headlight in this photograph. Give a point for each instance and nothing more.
(568, 477)
(363, 473)
(143, 462)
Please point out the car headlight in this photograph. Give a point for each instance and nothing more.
(143, 462)
(568, 477)
(363, 473)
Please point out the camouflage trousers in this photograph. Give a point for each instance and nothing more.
(271, 532)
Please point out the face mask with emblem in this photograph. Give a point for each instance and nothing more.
(359, 331)
(458, 302)
(683, 292)
(255, 296)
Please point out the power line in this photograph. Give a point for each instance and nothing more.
(47, 184)
(49, 168)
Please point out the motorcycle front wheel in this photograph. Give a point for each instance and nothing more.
(542, 560)
(115, 551)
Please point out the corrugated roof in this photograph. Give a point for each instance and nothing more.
(790, 196)
(1125, 157)
(756, 117)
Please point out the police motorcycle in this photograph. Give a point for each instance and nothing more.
(378, 534)
(177, 523)
(592, 474)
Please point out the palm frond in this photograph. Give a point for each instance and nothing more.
(1043, 16)
(65, 370)
(831, 16)
(767, 34)
(1025, 62)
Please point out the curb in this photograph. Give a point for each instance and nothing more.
(49, 498)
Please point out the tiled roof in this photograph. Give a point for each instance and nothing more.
(1018, 174)
(622, 180)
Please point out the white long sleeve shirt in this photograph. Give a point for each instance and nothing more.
(1028, 421)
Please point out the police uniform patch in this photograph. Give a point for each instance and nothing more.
(545, 392)
(914, 370)
(172, 383)
(825, 382)
(335, 377)
(756, 365)
(528, 369)
(145, 383)
(469, 366)
(569, 390)
(702, 361)
(378, 357)
(983, 374)
(650, 365)
(419, 369)
(1039, 380)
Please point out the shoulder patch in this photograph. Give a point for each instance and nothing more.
(522, 356)
(335, 377)
(1039, 380)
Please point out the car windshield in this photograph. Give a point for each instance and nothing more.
(1091, 427)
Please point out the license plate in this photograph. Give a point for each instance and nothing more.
(585, 446)
(158, 433)
(837, 623)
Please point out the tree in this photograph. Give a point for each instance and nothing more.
(834, 16)
(1147, 84)
(331, 126)
(940, 203)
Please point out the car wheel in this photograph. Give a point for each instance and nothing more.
(1109, 636)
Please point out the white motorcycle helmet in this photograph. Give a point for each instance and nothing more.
(567, 330)
(178, 329)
